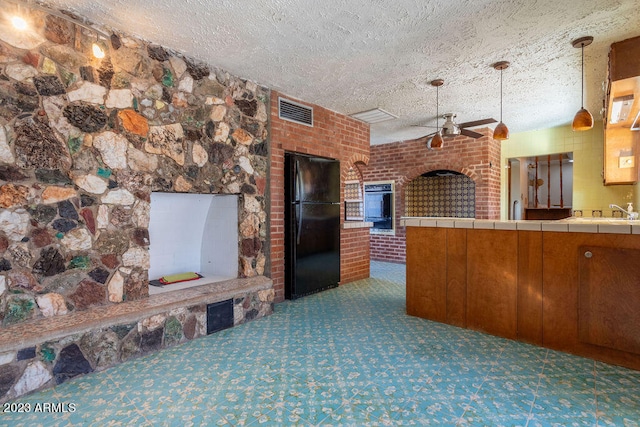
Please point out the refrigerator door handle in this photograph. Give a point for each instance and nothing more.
(299, 182)
(299, 218)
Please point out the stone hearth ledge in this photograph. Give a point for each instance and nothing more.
(32, 333)
(569, 225)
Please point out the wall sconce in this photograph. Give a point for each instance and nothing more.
(99, 48)
(19, 23)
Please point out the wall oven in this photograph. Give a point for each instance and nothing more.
(379, 206)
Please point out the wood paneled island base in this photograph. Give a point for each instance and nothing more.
(577, 292)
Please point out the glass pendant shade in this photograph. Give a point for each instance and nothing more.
(583, 120)
(501, 132)
(436, 142)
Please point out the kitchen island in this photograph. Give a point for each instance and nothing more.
(571, 285)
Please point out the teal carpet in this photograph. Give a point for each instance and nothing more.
(348, 356)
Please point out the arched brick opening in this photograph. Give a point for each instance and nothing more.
(402, 162)
(440, 193)
(416, 173)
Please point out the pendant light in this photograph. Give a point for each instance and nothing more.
(501, 132)
(583, 119)
(436, 142)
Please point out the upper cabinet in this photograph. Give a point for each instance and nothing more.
(622, 126)
(624, 59)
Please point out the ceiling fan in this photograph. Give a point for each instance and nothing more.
(450, 128)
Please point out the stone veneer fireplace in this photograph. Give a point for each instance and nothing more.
(84, 143)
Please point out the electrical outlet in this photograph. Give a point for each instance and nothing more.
(626, 162)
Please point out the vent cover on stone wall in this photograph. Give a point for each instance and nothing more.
(219, 316)
(294, 112)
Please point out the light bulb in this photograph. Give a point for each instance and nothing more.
(19, 23)
(98, 52)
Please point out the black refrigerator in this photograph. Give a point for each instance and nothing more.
(312, 224)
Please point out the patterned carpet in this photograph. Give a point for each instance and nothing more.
(348, 356)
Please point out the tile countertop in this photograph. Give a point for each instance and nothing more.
(572, 225)
(356, 224)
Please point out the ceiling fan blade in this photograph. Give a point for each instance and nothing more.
(472, 134)
(421, 138)
(424, 126)
(477, 123)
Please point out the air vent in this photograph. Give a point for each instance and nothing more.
(294, 112)
(376, 115)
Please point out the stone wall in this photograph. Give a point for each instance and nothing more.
(65, 356)
(84, 142)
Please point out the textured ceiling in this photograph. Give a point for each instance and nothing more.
(356, 55)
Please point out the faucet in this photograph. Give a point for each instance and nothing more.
(631, 215)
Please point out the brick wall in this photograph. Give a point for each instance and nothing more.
(403, 161)
(334, 136)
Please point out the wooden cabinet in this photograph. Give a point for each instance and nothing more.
(530, 287)
(624, 59)
(492, 281)
(620, 159)
(457, 277)
(591, 305)
(620, 141)
(427, 273)
(488, 280)
(608, 298)
(533, 286)
(436, 274)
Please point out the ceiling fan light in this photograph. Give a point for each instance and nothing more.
(501, 132)
(436, 143)
(583, 120)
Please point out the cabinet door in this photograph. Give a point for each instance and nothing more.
(609, 298)
(581, 308)
(426, 273)
(492, 284)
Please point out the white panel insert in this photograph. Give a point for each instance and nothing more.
(193, 232)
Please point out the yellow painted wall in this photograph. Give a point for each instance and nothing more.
(589, 193)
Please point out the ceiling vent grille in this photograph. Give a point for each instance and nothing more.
(294, 112)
